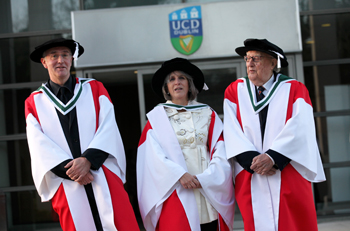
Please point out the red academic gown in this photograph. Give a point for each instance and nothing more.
(160, 165)
(283, 201)
(97, 130)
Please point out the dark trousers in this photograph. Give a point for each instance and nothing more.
(212, 226)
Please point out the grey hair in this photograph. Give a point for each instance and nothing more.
(275, 68)
(192, 90)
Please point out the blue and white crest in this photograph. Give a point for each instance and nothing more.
(186, 31)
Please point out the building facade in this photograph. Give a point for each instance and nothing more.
(126, 41)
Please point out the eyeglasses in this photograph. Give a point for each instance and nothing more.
(254, 58)
(64, 56)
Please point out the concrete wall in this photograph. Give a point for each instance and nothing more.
(134, 35)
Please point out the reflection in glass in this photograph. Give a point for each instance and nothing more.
(27, 212)
(151, 99)
(337, 97)
(61, 13)
(15, 168)
(12, 115)
(325, 37)
(39, 15)
(306, 5)
(19, 13)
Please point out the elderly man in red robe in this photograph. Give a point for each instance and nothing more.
(270, 135)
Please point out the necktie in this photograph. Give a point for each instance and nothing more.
(260, 93)
(62, 95)
(263, 112)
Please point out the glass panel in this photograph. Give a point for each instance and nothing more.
(325, 37)
(15, 64)
(12, 111)
(338, 140)
(318, 77)
(15, 164)
(332, 94)
(329, 199)
(151, 99)
(19, 16)
(122, 89)
(25, 211)
(306, 5)
(328, 94)
(217, 81)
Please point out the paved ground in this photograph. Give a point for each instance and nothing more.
(338, 224)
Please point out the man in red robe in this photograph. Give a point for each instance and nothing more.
(77, 155)
(270, 136)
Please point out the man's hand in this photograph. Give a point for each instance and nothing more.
(87, 179)
(262, 164)
(189, 181)
(79, 167)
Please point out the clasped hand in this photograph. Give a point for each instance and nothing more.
(189, 181)
(79, 171)
(263, 165)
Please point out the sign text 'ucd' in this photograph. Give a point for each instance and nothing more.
(186, 31)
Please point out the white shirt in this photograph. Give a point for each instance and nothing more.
(267, 85)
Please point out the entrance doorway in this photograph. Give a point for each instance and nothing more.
(132, 95)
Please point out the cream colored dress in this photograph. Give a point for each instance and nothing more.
(191, 129)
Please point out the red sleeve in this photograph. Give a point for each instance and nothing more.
(210, 132)
(144, 133)
(297, 91)
(29, 106)
(232, 96)
(98, 89)
(231, 91)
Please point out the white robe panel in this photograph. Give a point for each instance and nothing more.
(265, 185)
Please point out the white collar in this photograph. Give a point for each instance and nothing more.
(268, 84)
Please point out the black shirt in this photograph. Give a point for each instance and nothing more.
(69, 125)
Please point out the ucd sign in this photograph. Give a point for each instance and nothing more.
(186, 31)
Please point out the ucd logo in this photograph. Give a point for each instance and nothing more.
(186, 32)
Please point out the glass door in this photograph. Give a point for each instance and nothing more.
(122, 87)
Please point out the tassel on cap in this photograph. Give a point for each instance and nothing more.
(205, 87)
(76, 52)
(278, 59)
